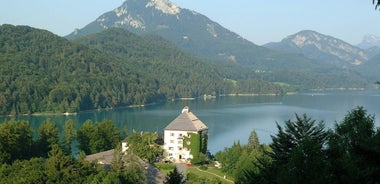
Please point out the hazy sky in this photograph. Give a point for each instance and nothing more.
(259, 21)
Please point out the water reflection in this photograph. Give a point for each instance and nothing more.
(231, 118)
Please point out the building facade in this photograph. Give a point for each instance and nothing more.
(185, 138)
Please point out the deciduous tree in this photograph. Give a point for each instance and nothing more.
(354, 148)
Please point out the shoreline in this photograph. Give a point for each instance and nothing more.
(181, 99)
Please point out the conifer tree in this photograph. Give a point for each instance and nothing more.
(174, 177)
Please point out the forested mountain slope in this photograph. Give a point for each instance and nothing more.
(42, 72)
(179, 74)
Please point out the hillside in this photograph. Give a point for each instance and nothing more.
(42, 72)
(180, 74)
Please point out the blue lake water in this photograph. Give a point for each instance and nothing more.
(233, 118)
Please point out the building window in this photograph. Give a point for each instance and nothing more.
(179, 142)
(171, 141)
(179, 148)
(172, 134)
(170, 154)
(171, 148)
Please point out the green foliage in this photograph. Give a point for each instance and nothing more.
(303, 151)
(144, 145)
(94, 138)
(15, 141)
(135, 171)
(253, 140)
(164, 166)
(48, 135)
(355, 148)
(59, 168)
(127, 167)
(174, 177)
(26, 171)
(69, 135)
(299, 148)
(197, 146)
(239, 159)
(42, 72)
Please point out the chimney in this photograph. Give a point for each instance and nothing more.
(185, 109)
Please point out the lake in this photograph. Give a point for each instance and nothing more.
(233, 118)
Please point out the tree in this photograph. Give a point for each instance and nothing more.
(69, 135)
(174, 177)
(48, 135)
(354, 148)
(298, 154)
(253, 140)
(24, 171)
(15, 141)
(377, 3)
(59, 168)
(144, 145)
(94, 138)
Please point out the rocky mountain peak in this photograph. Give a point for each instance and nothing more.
(321, 47)
(369, 41)
(165, 6)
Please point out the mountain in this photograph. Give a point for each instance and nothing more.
(42, 72)
(369, 41)
(372, 51)
(194, 33)
(323, 48)
(370, 69)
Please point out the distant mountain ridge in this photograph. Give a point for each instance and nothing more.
(369, 41)
(204, 38)
(323, 48)
(194, 33)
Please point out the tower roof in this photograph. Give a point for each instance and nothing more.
(186, 121)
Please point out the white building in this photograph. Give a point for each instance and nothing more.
(178, 143)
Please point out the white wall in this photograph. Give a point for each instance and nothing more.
(173, 146)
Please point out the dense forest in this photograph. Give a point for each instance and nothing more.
(303, 150)
(42, 72)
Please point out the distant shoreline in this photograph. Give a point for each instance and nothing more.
(182, 99)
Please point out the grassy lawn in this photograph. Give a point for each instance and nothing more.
(164, 168)
(196, 176)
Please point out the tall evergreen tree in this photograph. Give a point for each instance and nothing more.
(48, 135)
(298, 154)
(59, 168)
(69, 135)
(174, 177)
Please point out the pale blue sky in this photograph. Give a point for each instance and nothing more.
(259, 21)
